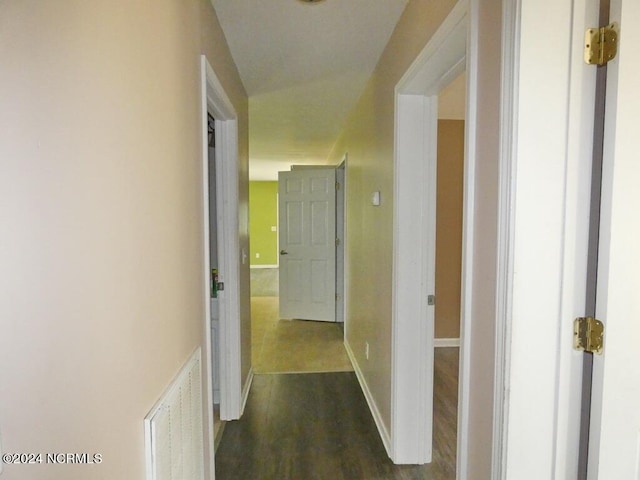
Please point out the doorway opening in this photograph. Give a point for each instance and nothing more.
(213, 281)
(448, 268)
(220, 208)
(283, 340)
(441, 62)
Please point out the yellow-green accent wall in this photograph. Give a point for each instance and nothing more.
(263, 215)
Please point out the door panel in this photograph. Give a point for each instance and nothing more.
(319, 227)
(307, 242)
(291, 268)
(615, 436)
(294, 219)
(319, 281)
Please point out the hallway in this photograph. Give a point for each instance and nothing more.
(294, 346)
(318, 426)
(290, 346)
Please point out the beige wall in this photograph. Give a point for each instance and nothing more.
(101, 250)
(452, 101)
(449, 227)
(368, 139)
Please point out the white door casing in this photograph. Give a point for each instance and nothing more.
(441, 61)
(545, 257)
(341, 186)
(307, 236)
(215, 100)
(615, 435)
(543, 221)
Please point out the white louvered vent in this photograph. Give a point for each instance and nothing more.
(174, 429)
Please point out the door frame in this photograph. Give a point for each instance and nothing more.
(341, 233)
(542, 236)
(215, 100)
(416, 116)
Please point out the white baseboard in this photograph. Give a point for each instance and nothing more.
(377, 417)
(245, 390)
(263, 266)
(446, 342)
(218, 436)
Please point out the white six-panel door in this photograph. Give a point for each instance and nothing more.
(307, 208)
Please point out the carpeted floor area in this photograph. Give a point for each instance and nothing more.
(294, 346)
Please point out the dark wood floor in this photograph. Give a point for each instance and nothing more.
(318, 427)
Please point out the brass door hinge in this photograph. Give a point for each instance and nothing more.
(601, 44)
(588, 335)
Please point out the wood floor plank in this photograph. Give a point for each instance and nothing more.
(318, 426)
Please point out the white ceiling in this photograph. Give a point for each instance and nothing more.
(304, 67)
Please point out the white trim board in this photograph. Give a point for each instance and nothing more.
(341, 229)
(504, 267)
(228, 255)
(468, 240)
(441, 61)
(377, 416)
(542, 237)
(215, 100)
(218, 435)
(246, 389)
(446, 342)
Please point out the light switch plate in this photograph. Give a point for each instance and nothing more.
(375, 199)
